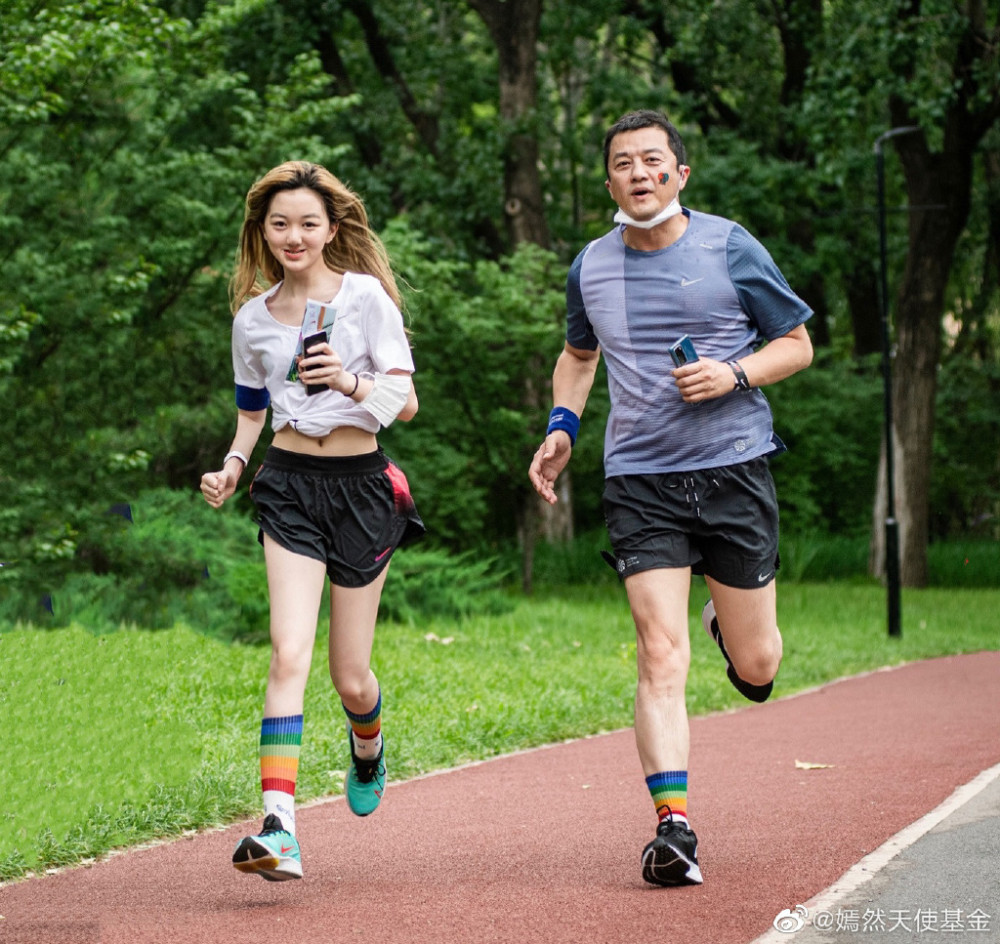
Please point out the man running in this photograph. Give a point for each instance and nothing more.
(688, 488)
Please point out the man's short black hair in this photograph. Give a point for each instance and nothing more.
(646, 118)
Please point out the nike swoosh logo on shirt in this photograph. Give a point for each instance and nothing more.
(686, 282)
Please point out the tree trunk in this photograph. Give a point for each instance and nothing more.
(938, 188)
(513, 26)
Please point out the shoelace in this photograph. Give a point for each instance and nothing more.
(270, 828)
(367, 769)
(669, 821)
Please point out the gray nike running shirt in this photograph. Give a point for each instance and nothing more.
(717, 284)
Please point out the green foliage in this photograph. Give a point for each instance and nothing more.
(117, 224)
(175, 560)
(830, 417)
(180, 561)
(819, 556)
(965, 483)
(485, 339)
(576, 563)
(129, 134)
(429, 584)
(812, 556)
(963, 563)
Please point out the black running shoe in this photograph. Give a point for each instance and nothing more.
(672, 857)
(756, 693)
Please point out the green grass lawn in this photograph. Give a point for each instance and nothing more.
(117, 738)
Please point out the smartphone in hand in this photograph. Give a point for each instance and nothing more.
(313, 339)
(682, 351)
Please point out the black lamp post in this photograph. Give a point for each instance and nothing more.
(891, 524)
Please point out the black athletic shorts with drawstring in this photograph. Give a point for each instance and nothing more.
(720, 522)
(351, 512)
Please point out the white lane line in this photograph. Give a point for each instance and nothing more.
(868, 867)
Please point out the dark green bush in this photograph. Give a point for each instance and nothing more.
(178, 560)
(578, 562)
(424, 583)
(965, 479)
(164, 558)
(830, 417)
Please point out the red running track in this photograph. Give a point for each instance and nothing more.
(544, 846)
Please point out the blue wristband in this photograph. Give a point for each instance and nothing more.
(566, 420)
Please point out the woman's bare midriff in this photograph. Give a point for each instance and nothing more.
(342, 441)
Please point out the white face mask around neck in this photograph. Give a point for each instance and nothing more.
(671, 209)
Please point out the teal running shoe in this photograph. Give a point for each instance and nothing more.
(273, 854)
(365, 782)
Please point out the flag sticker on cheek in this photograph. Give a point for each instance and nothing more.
(664, 177)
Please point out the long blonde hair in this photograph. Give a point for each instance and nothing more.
(355, 248)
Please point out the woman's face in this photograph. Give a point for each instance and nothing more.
(297, 228)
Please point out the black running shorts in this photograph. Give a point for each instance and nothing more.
(351, 512)
(720, 522)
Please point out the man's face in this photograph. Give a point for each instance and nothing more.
(643, 173)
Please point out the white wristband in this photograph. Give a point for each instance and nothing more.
(236, 454)
(387, 396)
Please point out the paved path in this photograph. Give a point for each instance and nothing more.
(938, 879)
(543, 846)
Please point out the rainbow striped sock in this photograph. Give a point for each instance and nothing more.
(280, 744)
(669, 791)
(366, 730)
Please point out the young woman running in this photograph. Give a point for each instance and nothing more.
(330, 502)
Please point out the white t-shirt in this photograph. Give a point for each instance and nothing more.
(367, 334)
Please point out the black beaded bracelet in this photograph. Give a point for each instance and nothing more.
(742, 383)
